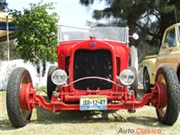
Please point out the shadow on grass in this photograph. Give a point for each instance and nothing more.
(48, 117)
(6, 125)
(80, 117)
(145, 121)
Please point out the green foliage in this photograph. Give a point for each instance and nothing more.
(137, 14)
(40, 88)
(3, 6)
(145, 49)
(86, 2)
(33, 28)
(124, 13)
(2, 50)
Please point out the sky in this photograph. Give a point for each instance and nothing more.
(71, 12)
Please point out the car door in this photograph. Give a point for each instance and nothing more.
(169, 54)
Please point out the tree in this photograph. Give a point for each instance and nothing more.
(33, 28)
(149, 18)
(139, 15)
(122, 12)
(166, 13)
(13, 51)
(33, 32)
(3, 5)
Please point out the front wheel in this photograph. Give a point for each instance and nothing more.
(169, 112)
(16, 114)
(50, 85)
(146, 81)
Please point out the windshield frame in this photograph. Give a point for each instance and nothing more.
(65, 33)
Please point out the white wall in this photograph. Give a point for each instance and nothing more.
(7, 67)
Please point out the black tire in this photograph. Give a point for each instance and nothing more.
(17, 116)
(169, 114)
(146, 81)
(178, 74)
(50, 85)
(134, 85)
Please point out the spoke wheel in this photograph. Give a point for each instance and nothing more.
(16, 114)
(170, 112)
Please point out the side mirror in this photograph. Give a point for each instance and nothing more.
(52, 34)
(135, 36)
(166, 46)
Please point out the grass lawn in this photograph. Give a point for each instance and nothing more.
(44, 122)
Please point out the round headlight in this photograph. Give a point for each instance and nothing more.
(59, 77)
(127, 77)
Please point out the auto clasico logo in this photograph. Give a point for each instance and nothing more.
(140, 131)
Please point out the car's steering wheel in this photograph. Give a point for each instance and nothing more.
(110, 36)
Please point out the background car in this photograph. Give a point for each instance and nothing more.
(169, 54)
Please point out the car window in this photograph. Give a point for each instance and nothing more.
(171, 38)
(179, 34)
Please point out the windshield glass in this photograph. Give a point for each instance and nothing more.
(179, 34)
(107, 33)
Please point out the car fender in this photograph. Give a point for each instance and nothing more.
(150, 64)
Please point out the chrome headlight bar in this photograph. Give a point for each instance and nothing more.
(59, 77)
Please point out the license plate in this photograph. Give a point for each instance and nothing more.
(93, 103)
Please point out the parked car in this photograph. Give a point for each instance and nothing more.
(92, 74)
(169, 54)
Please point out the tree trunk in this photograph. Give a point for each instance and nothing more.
(132, 44)
(131, 26)
(40, 72)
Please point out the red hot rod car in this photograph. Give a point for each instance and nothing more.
(92, 74)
